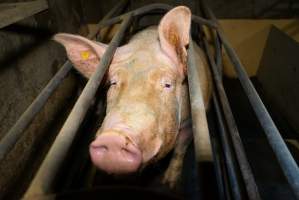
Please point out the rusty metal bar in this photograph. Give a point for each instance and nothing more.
(282, 153)
(42, 182)
(11, 138)
(151, 7)
(246, 171)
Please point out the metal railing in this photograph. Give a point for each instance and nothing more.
(282, 153)
(42, 182)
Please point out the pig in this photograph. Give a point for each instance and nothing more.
(148, 111)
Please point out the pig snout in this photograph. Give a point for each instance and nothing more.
(115, 154)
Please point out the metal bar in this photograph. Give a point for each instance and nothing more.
(224, 138)
(42, 182)
(218, 55)
(11, 138)
(199, 119)
(228, 154)
(13, 12)
(112, 12)
(283, 155)
(217, 166)
(237, 142)
(155, 6)
(83, 160)
(222, 181)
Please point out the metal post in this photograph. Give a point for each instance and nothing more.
(199, 121)
(228, 154)
(221, 182)
(224, 138)
(282, 153)
(237, 142)
(42, 182)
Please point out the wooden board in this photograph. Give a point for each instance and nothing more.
(248, 37)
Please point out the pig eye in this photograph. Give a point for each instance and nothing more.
(167, 85)
(113, 82)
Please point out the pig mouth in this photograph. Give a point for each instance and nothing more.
(115, 153)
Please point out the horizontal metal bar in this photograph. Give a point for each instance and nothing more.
(203, 149)
(246, 171)
(283, 155)
(151, 7)
(44, 178)
(13, 12)
(11, 138)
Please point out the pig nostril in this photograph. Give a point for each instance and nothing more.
(129, 155)
(101, 149)
(115, 154)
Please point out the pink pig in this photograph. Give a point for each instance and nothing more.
(147, 101)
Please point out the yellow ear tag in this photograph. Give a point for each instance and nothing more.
(85, 55)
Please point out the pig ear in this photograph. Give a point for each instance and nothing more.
(174, 34)
(83, 53)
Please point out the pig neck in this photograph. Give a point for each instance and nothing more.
(185, 108)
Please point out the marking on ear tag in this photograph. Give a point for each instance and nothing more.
(85, 55)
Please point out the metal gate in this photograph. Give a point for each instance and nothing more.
(42, 181)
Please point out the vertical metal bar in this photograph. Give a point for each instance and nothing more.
(283, 155)
(218, 55)
(199, 119)
(237, 143)
(42, 182)
(10, 139)
(217, 166)
(228, 154)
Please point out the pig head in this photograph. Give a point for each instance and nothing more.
(147, 96)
